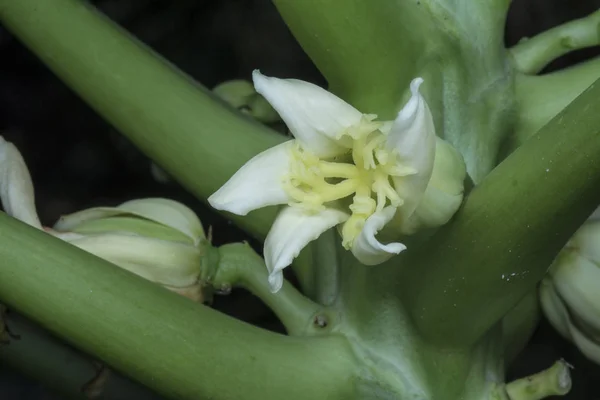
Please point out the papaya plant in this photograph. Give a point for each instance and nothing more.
(423, 197)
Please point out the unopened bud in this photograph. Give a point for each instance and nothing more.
(570, 294)
(240, 94)
(158, 239)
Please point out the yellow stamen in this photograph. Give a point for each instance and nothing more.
(312, 182)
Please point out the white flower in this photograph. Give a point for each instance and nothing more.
(343, 168)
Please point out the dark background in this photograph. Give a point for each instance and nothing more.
(77, 160)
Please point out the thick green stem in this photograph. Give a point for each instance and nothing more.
(531, 55)
(518, 326)
(512, 225)
(240, 266)
(176, 347)
(197, 139)
(540, 98)
(365, 49)
(59, 366)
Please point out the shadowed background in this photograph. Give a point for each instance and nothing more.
(78, 161)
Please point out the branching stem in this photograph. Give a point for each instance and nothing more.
(531, 55)
(240, 266)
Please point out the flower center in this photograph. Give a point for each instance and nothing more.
(313, 182)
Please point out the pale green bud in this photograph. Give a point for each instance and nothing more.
(444, 193)
(570, 294)
(240, 94)
(158, 239)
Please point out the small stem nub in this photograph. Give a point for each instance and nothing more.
(554, 381)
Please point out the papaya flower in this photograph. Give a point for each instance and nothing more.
(343, 168)
(158, 239)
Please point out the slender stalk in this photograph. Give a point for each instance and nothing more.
(240, 266)
(531, 55)
(200, 141)
(541, 97)
(509, 230)
(60, 367)
(180, 349)
(555, 381)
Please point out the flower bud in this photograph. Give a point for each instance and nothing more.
(240, 94)
(570, 294)
(158, 239)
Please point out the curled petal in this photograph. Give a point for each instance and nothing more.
(315, 116)
(257, 184)
(16, 188)
(586, 240)
(576, 280)
(412, 137)
(553, 308)
(366, 248)
(167, 212)
(293, 229)
(559, 316)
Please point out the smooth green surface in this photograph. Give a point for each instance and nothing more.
(518, 326)
(510, 228)
(179, 348)
(60, 367)
(200, 141)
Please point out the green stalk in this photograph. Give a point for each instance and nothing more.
(509, 230)
(530, 56)
(200, 141)
(60, 367)
(179, 348)
(541, 97)
(240, 266)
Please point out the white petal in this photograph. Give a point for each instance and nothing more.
(587, 241)
(557, 313)
(577, 280)
(553, 308)
(163, 211)
(412, 136)
(71, 221)
(314, 116)
(169, 213)
(16, 188)
(293, 229)
(366, 248)
(257, 184)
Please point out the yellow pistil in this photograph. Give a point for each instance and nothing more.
(313, 182)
